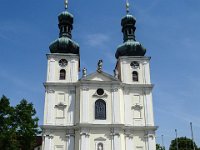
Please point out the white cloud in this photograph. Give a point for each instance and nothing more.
(17, 82)
(97, 39)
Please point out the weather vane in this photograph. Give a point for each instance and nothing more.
(66, 4)
(127, 7)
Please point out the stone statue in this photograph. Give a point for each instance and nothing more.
(84, 71)
(100, 147)
(116, 73)
(100, 64)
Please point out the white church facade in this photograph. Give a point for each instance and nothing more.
(98, 111)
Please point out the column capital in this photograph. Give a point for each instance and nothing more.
(85, 88)
(86, 134)
(72, 91)
(114, 89)
(128, 133)
(50, 91)
(114, 132)
(50, 136)
(149, 136)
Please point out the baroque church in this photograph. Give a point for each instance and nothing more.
(98, 111)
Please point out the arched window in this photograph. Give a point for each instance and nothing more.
(100, 146)
(135, 76)
(62, 74)
(100, 109)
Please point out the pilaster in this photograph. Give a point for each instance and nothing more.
(116, 116)
(116, 139)
(85, 143)
(71, 107)
(85, 105)
(48, 144)
(70, 140)
(50, 119)
(128, 140)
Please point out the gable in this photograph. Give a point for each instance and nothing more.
(99, 76)
(100, 139)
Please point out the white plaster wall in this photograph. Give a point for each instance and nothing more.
(131, 104)
(148, 105)
(114, 104)
(125, 70)
(52, 101)
(88, 138)
(53, 68)
(80, 107)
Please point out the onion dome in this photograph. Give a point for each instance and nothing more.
(130, 47)
(64, 44)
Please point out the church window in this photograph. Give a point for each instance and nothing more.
(100, 146)
(100, 91)
(100, 109)
(62, 74)
(135, 76)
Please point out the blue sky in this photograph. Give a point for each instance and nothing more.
(169, 29)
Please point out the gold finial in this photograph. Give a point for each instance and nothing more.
(127, 7)
(66, 4)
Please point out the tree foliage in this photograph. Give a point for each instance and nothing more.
(18, 125)
(184, 143)
(159, 147)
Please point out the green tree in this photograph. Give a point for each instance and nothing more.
(159, 147)
(27, 124)
(18, 125)
(7, 127)
(184, 143)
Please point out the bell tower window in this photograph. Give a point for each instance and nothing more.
(62, 74)
(135, 76)
(100, 109)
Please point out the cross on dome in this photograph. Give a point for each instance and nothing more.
(127, 7)
(66, 4)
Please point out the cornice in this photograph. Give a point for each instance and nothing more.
(57, 127)
(60, 84)
(139, 58)
(62, 54)
(104, 83)
(99, 126)
(107, 83)
(137, 86)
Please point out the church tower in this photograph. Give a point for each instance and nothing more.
(62, 75)
(98, 111)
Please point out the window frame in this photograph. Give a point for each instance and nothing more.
(135, 76)
(62, 75)
(102, 116)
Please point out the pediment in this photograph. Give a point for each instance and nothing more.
(100, 139)
(99, 76)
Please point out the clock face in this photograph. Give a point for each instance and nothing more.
(134, 64)
(63, 62)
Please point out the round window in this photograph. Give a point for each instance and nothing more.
(100, 91)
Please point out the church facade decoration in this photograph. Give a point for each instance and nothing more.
(98, 111)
